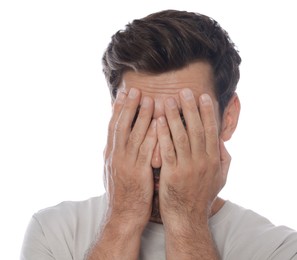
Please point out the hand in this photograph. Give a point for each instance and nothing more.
(128, 172)
(194, 161)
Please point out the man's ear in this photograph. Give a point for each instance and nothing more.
(230, 118)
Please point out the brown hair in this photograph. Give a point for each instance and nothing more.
(169, 40)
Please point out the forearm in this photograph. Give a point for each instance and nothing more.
(187, 242)
(116, 242)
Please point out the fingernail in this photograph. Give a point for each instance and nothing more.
(121, 96)
(205, 99)
(162, 120)
(171, 102)
(145, 102)
(187, 93)
(133, 93)
(153, 123)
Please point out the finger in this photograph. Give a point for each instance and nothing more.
(177, 129)
(156, 159)
(210, 125)
(194, 125)
(124, 122)
(147, 147)
(141, 126)
(165, 142)
(117, 108)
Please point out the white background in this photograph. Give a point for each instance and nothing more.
(55, 106)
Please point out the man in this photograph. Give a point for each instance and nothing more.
(172, 77)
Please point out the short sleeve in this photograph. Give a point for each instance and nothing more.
(35, 245)
(287, 248)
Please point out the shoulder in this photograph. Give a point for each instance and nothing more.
(72, 211)
(73, 221)
(240, 231)
(64, 230)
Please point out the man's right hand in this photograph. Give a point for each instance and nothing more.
(128, 171)
(128, 178)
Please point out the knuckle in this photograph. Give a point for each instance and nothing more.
(203, 166)
(215, 157)
(169, 155)
(192, 107)
(209, 165)
(169, 158)
(215, 162)
(143, 154)
(144, 112)
(115, 166)
(135, 139)
(197, 132)
(169, 149)
(118, 128)
(211, 130)
(144, 150)
(130, 105)
(117, 106)
(182, 140)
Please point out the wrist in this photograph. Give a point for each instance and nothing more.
(116, 240)
(124, 225)
(185, 220)
(186, 228)
(189, 240)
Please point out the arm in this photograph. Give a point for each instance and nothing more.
(190, 241)
(194, 169)
(128, 178)
(116, 241)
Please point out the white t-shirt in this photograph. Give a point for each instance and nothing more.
(67, 230)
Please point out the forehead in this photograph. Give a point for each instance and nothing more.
(197, 76)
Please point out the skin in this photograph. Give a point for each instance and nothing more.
(193, 163)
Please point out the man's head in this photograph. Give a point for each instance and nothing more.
(167, 52)
(168, 41)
